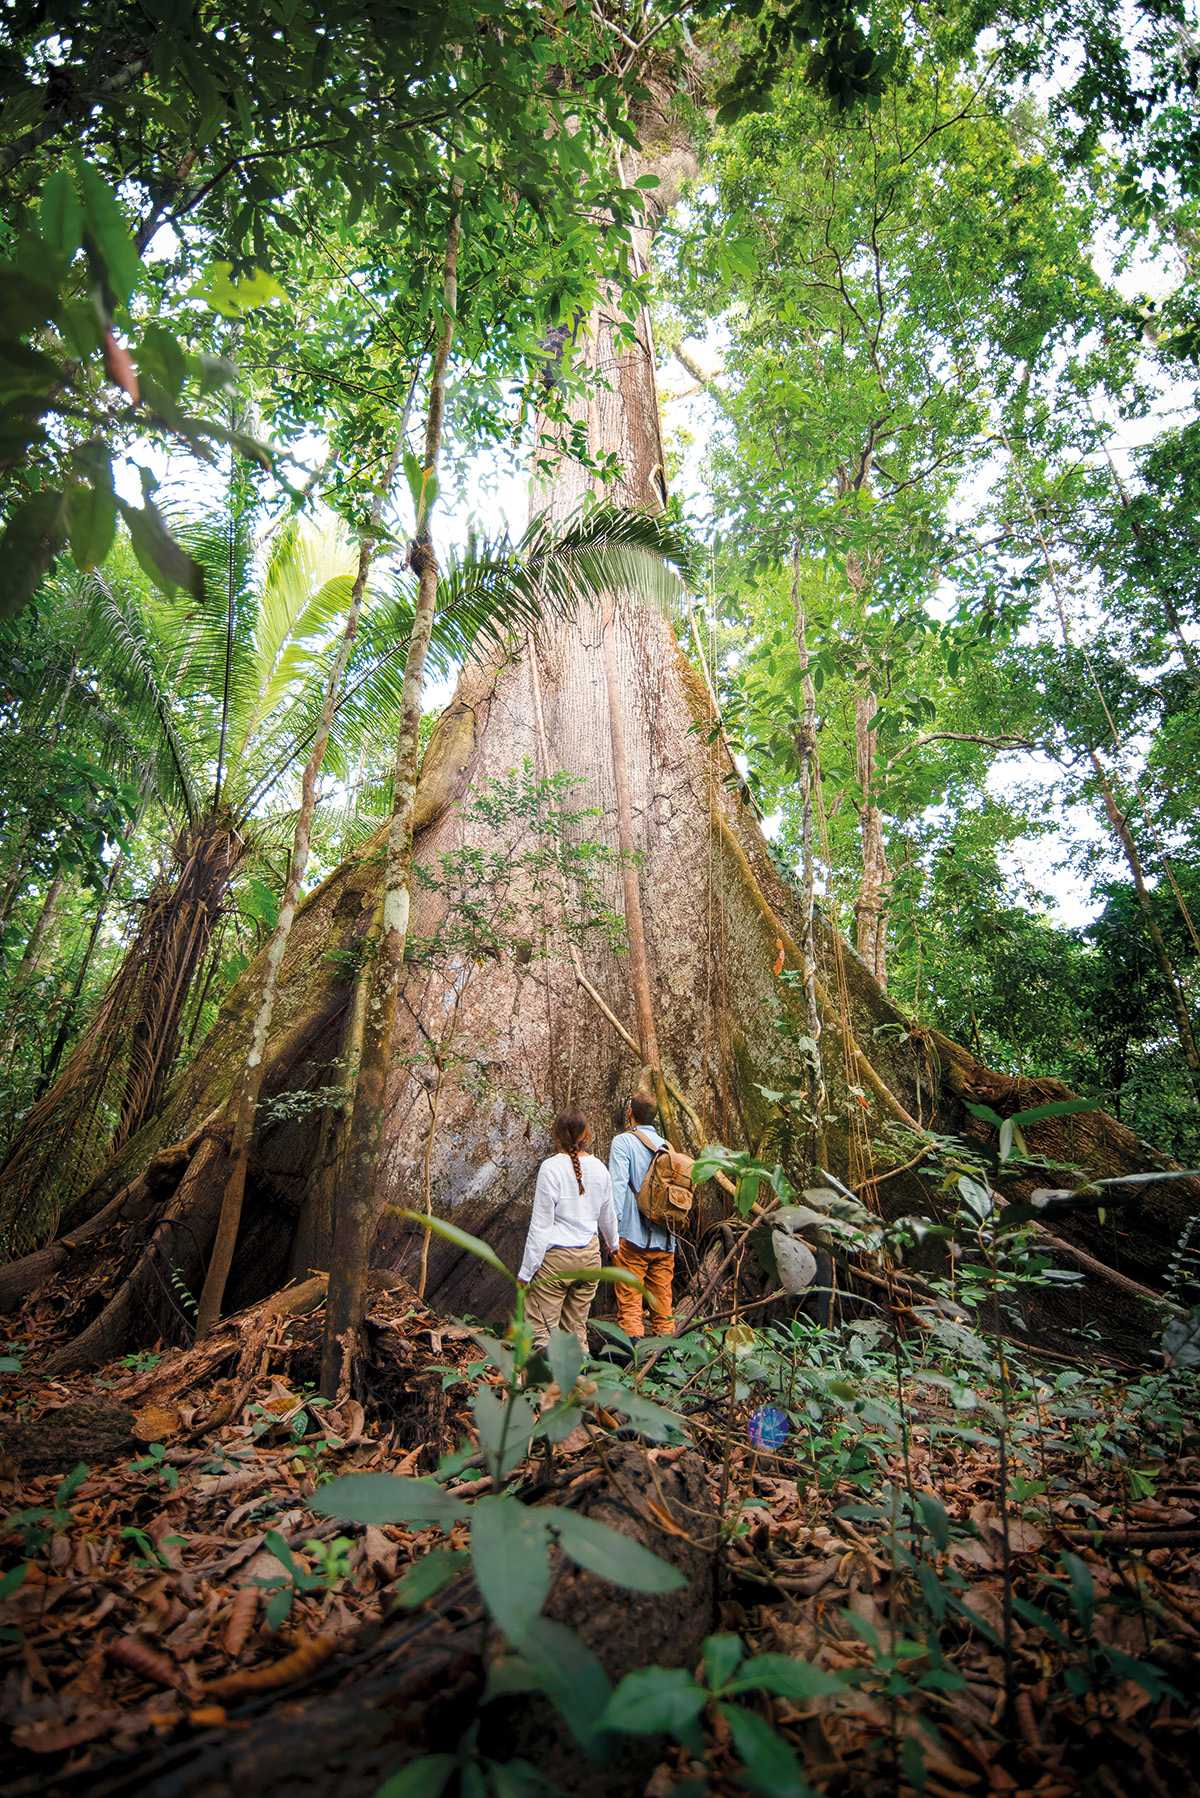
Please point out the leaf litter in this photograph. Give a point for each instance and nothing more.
(165, 1589)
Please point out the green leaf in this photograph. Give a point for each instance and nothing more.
(387, 1498)
(161, 356)
(654, 1699)
(60, 215)
(93, 523)
(721, 1657)
(507, 1421)
(1060, 1109)
(460, 1239)
(71, 1484)
(34, 535)
(912, 1762)
(1083, 1590)
(985, 1112)
(425, 1778)
(12, 1579)
(933, 1511)
(977, 1197)
(785, 1677)
(108, 232)
(647, 1418)
(509, 1554)
(771, 1767)
(570, 1675)
(167, 564)
(428, 1575)
(614, 1557)
(233, 299)
(565, 1355)
(279, 1604)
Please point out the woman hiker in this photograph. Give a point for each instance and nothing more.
(572, 1209)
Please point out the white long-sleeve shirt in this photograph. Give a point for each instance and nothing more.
(563, 1217)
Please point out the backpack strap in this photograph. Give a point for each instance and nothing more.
(634, 1131)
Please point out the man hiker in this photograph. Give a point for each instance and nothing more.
(646, 1249)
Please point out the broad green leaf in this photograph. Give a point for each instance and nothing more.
(387, 1498)
(509, 1555)
(12, 1579)
(614, 1557)
(647, 1418)
(976, 1197)
(505, 1425)
(279, 1605)
(600, 1276)
(565, 1355)
(162, 356)
(558, 1422)
(167, 564)
(771, 1767)
(721, 1656)
(570, 1675)
(105, 226)
(654, 1699)
(33, 536)
(933, 1512)
(60, 215)
(425, 1778)
(1083, 1590)
(233, 299)
(460, 1239)
(93, 523)
(1060, 1109)
(785, 1677)
(428, 1575)
(985, 1112)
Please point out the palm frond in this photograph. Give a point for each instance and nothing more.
(499, 588)
(122, 640)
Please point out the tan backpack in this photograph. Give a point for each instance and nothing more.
(665, 1195)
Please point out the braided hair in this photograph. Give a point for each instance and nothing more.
(570, 1132)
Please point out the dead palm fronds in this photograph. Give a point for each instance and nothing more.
(115, 1077)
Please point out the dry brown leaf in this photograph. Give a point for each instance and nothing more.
(139, 1657)
(302, 1661)
(241, 1620)
(380, 1554)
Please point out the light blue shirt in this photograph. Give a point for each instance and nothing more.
(628, 1162)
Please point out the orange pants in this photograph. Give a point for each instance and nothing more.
(655, 1268)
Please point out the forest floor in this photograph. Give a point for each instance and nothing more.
(150, 1607)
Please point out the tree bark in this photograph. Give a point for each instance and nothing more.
(638, 970)
(356, 1208)
(809, 774)
(31, 957)
(870, 908)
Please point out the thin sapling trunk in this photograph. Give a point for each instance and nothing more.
(356, 1201)
(244, 1101)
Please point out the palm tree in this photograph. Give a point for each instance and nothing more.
(211, 705)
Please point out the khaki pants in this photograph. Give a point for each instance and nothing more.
(552, 1304)
(655, 1268)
